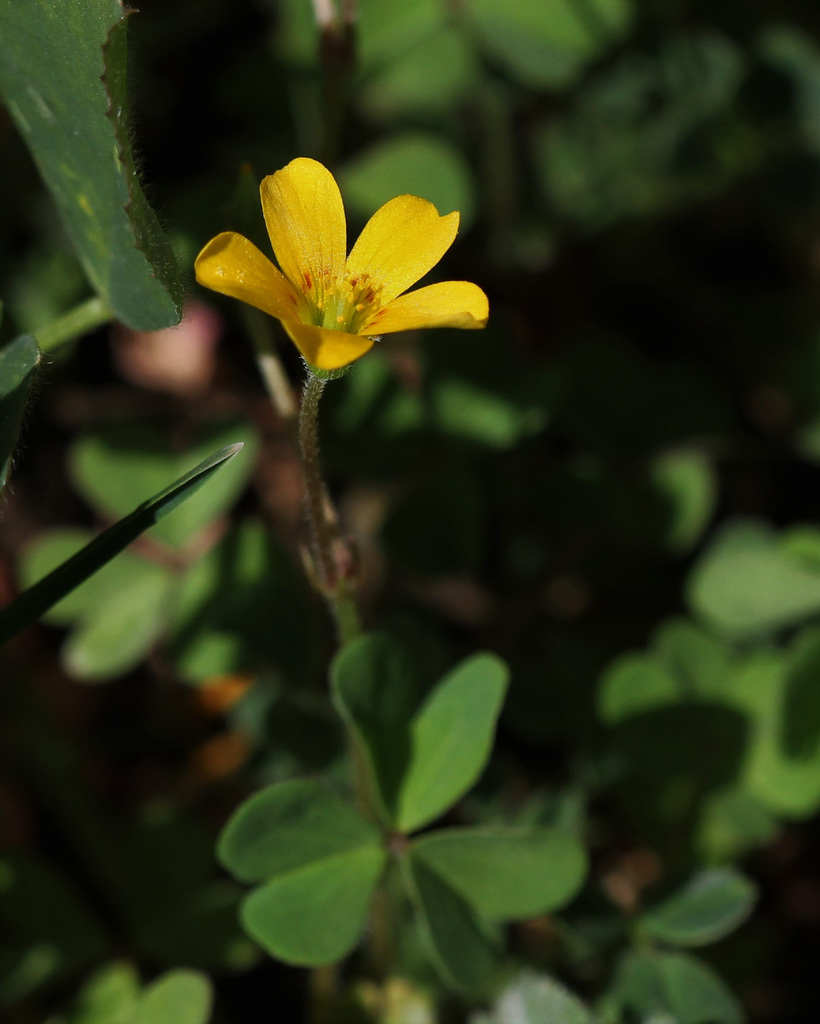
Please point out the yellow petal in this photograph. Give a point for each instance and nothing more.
(448, 304)
(306, 223)
(325, 349)
(401, 242)
(232, 265)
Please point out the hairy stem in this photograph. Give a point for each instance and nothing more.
(320, 536)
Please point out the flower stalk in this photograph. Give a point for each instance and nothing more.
(331, 560)
(320, 540)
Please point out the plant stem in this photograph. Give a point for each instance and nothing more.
(323, 985)
(323, 536)
(73, 324)
(319, 534)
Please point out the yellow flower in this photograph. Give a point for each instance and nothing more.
(335, 306)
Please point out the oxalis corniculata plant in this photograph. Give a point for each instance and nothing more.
(369, 878)
(330, 870)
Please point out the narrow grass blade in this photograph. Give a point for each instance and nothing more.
(31, 604)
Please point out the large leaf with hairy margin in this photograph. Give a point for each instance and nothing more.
(18, 363)
(32, 603)
(63, 78)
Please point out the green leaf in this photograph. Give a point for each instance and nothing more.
(178, 997)
(117, 614)
(617, 150)
(686, 664)
(456, 943)
(423, 165)
(18, 363)
(632, 684)
(113, 468)
(699, 662)
(386, 33)
(115, 635)
(677, 984)
(63, 77)
(547, 44)
(712, 904)
(801, 711)
(746, 584)
(506, 874)
(427, 78)
(376, 692)
(732, 822)
(685, 478)
(314, 914)
(110, 996)
(536, 999)
(466, 409)
(786, 784)
(451, 739)
(32, 603)
(287, 826)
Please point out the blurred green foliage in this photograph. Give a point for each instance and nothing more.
(614, 487)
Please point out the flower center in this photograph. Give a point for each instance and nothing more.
(345, 303)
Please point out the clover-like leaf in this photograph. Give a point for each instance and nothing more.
(451, 738)
(676, 984)
(747, 583)
(178, 997)
(712, 904)
(460, 948)
(376, 691)
(506, 874)
(321, 860)
(314, 915)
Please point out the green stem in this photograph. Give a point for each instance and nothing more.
(78, 321)
(323, 535)
(319, 534)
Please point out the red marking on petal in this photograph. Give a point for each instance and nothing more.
(307, 279)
